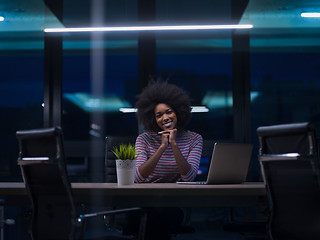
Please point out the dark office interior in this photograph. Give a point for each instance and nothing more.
(244, 78)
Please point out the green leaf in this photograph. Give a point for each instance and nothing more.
(125, 151)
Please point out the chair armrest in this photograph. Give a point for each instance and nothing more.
(34, 160)
(277, 157)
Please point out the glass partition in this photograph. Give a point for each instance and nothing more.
(201, 63)
(286, 81)
(99, 79)
(21, 93)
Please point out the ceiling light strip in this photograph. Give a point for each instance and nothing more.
(149, 28)
(311, 14)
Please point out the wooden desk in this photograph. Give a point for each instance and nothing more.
(156, 194)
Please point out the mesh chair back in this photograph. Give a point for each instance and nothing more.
(110, 163)
(292, 181)
(295, 195)
(41, 159)
(288, 138)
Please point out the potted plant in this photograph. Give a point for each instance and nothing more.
(125, 163)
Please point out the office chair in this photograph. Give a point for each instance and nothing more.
(110, 163)
(54, 214)
(289, 162)
(111, 172)
(111, 176)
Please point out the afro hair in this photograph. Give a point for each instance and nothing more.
(163, 92)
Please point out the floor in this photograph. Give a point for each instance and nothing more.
(208, 223)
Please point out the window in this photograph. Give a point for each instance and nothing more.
(21, 94)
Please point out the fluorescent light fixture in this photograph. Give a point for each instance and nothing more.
(1, 18)
(128, 110)
(149, 28)
(199, 109)
(195, 109)
(311, 14)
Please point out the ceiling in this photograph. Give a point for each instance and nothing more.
(25, 16)
(277, 23)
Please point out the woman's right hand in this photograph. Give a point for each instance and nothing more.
(164, 139)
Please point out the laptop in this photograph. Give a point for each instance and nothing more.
(229, 164)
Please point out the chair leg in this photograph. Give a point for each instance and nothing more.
(1, 222)
(142, 227)
(4, 221)
(82, 229)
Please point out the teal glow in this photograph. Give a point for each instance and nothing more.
(222, 99)
(109, 103)
(124, 44)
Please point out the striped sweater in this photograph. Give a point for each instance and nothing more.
(190, 145)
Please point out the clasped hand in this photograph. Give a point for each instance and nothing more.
(168, 136)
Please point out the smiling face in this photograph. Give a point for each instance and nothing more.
(165, 117)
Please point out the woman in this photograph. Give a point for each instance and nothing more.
(166, 152)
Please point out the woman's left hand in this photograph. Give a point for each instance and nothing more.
(172, 134)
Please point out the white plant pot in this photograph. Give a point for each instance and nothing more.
(126, 170)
